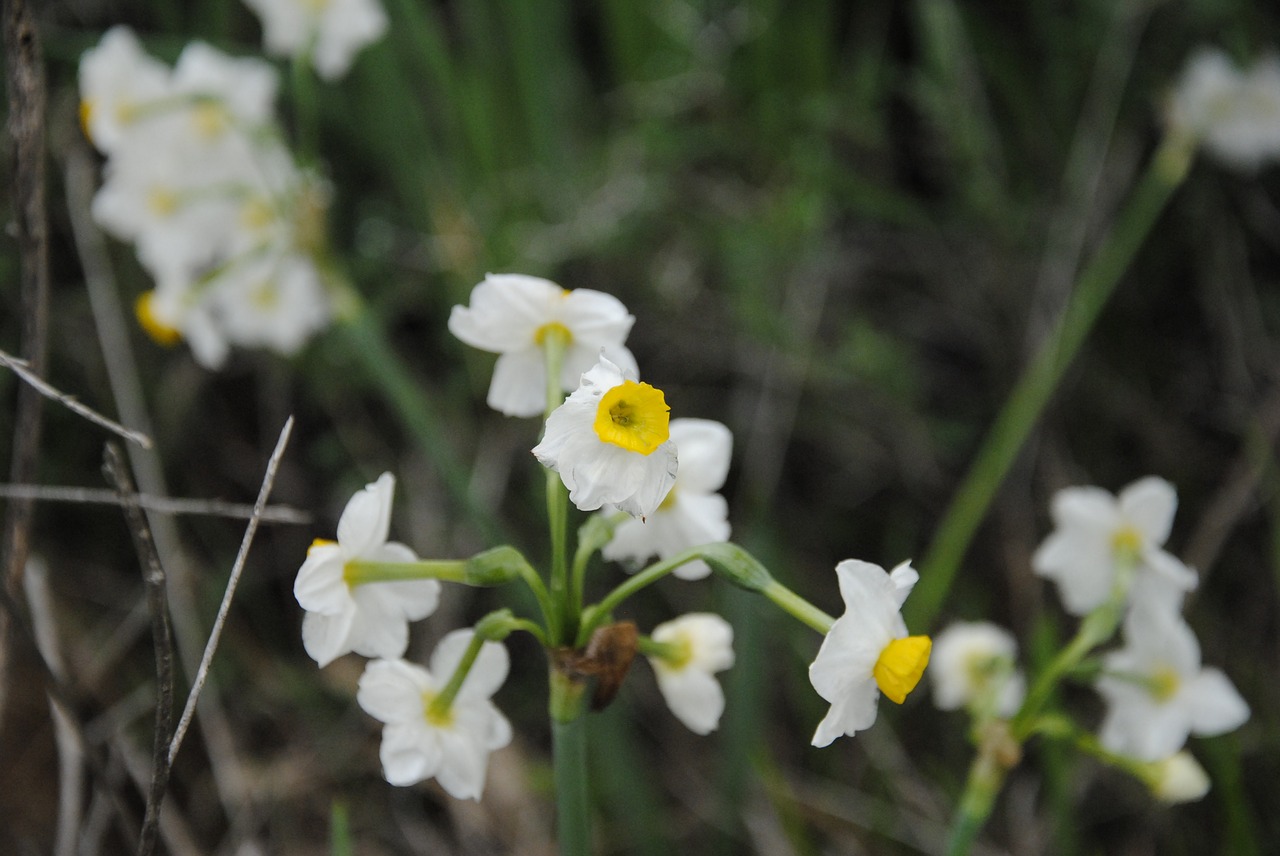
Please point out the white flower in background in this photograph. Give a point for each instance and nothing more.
(703, 644)
(511, 314)
(973, 665)
(1234, 114)
(452, 745)
(119, 85)
(1100, 541)
(867, 651)
(610, 443)
(225, 95)
(692, 513)
(370, 619)
(1179, 779)
(1157, 693)
(273, 300)
(333, 31)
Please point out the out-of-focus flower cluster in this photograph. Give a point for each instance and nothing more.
(199, 178)
(1107, 557)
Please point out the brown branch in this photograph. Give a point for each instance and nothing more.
(117, 473)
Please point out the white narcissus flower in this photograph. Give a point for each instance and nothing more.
(867, 650)
(451, 745)
(333, 30)
(1157, 693)
(1099, 541)
(610, 443)
(511, 314)
(370, 619)
(119, 82)
(692, 513)
(1234, 114)
(973, 664)
(703, 644)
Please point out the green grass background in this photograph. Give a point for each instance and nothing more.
(844, 229)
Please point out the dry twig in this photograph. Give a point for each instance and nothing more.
(23, 370)
(117, 473)
(202, 673)
(162, 504)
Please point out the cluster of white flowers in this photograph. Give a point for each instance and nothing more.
(199, 179)
(615, 448)
(1107, 552)
(1233, 114)
(346, 614)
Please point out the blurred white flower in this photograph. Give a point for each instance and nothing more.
(1101, 542)
(692, 513)
(333, 31)
(511, 314)
(610, 443)
(1156, 691)
(1179, 779)
(119, 85)
(703, 644)
(867, 651)
(973, 665)
(451, 745)
(1233, 114)
(371, 619)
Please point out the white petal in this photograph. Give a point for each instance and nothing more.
(410, 753)
(694, 696)
(391, 690)
(519, 385)
(595, 317)
(462, 764)
(1214, 705)
(319, 586)
(366, 520)
(377, 631)
(854, 711)
(1149, 504)
(327, 637)
(505, 313)
(705, 449)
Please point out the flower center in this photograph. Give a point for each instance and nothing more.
(160, 332)
(901, 665)
(555, 329)
(1127, 541)
(634, 416)
(1163, 683)
(162, 202)
(435, 714)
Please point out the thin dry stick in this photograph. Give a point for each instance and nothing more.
(162, 504)
(23, 370)
(117, 473)
(66, 738)
(211, 646)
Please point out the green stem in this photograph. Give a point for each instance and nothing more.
(386, 370)
(594, 616)
(1029, 397)
(554, 342)
(439, 707)
(797, 607)
(358, 571)
(303, 87)
(986, 777)
(569, 754)
(1096, 628)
